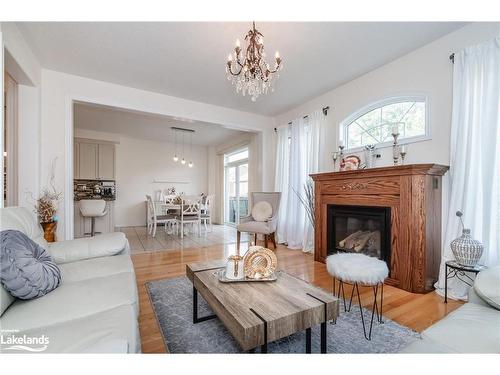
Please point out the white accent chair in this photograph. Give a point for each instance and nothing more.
(206, 211)
(266, 228)
(154, 218)
(93, 208)
(190, 213)
(95, 308)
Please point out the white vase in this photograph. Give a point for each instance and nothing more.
(467, 251)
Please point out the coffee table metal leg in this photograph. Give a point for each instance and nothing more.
(308, 340)
(323, 337)
(196, 319)
(263, 348)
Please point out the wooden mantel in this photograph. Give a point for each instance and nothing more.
(413, 192)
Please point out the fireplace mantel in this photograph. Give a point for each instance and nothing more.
(413, 192)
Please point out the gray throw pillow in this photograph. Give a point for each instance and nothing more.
(26, 270)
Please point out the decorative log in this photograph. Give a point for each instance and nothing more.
(349, 238)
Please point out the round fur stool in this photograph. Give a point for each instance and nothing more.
(359, 269)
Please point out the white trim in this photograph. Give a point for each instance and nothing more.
(68, 183)
(70, 100)
(418, 97)
(2, 49)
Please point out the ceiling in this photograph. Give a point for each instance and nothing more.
(187, 59)
(149, 126)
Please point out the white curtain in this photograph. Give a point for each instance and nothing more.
(298, 155)
(475, 156)
(281, 177)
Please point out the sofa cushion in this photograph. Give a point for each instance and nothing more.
(110, 331)
(6, 299)
(262, 211)
(423, 346)
(103, 245)
(96, 267)
(254, 227)
(27, 271)
(73, 300)
(472, 328)
(487, 286)
(23, 220)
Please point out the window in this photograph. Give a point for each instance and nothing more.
(236, 156)
(374, 124)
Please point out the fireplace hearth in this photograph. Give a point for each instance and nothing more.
(359, 229)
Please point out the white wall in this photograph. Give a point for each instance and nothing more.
(138, 163)
(26, 70)
(58, 91)
(426, 70)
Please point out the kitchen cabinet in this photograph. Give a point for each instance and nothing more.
(87, 161)
(106, 161)
(93, 160)
(104, 224)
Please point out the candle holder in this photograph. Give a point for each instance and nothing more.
(335, 156)
(395, 148)
(403, 151)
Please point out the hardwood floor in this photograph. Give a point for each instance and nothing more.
(416, 311)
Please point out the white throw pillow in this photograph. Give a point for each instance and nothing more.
(487, 286)
(262, 211)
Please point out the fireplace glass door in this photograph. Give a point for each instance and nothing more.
(360, 229)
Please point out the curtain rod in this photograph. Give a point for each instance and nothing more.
(452, 58)
(325, 112)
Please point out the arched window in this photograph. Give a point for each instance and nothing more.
(374, 124)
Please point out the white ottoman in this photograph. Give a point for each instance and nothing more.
(359, 269)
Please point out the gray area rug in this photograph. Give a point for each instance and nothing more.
(173, 305)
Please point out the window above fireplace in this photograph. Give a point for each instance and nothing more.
(374, 124)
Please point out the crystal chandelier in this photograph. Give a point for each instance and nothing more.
(248, 70)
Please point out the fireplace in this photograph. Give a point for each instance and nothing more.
(359, 229)
(403, 203)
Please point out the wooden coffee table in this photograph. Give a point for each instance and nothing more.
(257, 313)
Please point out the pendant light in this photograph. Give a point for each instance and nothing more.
(191, 152)
(183, 161)
(176, 158)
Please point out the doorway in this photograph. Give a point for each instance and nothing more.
(235, 186)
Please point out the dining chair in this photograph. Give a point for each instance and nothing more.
(206, 211)
(268, 226)
(154, 218)
(190, 213)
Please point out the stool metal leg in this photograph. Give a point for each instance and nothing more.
(374, 308)
(350, 301)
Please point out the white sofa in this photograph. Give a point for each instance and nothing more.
(472, 328)
(95, 308)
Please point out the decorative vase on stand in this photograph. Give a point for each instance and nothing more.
(467, 251)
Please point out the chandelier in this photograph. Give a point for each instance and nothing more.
(248, 70)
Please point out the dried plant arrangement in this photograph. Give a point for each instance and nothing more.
(308, 200)
(46, 204)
